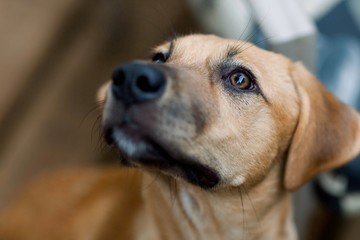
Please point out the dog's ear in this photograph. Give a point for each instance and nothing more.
(101, 93)
(327, 134)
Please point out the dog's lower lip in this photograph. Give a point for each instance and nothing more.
(202, 176)
(158, 157)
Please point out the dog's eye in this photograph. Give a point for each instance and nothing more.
(158, 57)
(241, 80)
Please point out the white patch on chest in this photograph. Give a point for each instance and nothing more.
(189, 204)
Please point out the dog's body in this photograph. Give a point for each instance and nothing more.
(225, 131)
(117, 204)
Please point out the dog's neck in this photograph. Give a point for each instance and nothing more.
(178, 210)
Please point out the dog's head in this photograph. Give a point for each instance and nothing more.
(219, 112)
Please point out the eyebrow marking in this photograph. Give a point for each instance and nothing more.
(171, 49)
(171, 39)
(166, 53)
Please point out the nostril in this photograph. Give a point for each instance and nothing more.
(118, 77)
(148, 85)
(135, 83)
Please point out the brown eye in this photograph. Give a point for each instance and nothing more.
(241, 81)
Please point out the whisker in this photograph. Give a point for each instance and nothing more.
(247, 39)
(152, 182)
(93, 127)
(251, 35)
(262, 40)
(246, 27)
(259, 24)
(243, 212)
(104, 148)
(254, 44)
(104, 151)
(87, 114)
(251, 203)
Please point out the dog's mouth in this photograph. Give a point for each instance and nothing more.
(141, 150)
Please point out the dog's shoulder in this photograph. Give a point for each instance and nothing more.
(75, 204)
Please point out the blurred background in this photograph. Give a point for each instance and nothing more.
(54, 55)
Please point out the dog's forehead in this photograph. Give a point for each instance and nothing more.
(204, 45)
(201, 49)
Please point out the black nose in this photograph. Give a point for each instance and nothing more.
(137, 83)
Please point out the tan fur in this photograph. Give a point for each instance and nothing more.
(327, 133)
(261, 146)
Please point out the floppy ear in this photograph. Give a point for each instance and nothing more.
(327, 134)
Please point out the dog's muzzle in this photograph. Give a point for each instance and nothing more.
(129, 123)
(137, 83)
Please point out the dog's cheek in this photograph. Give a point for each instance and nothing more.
(243, 144)
(263, 149)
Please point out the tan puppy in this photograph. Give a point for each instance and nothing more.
(224, 131)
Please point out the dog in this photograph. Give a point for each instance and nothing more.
(216, 133)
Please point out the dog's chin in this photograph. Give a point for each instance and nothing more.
(138, 149)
